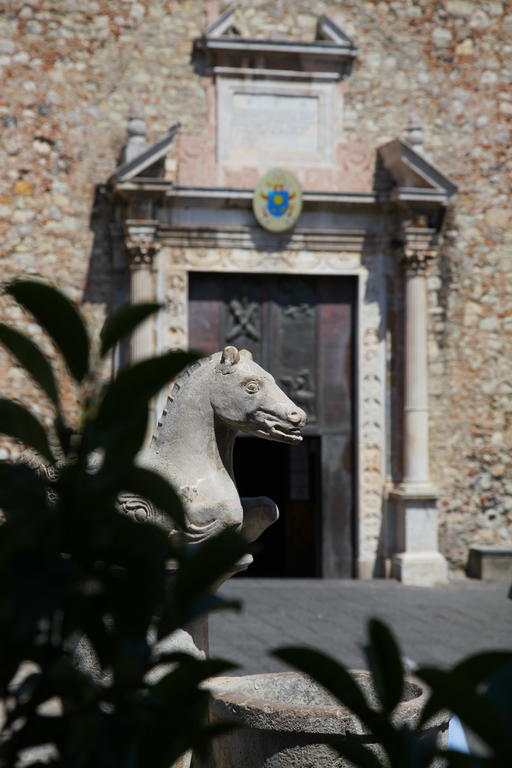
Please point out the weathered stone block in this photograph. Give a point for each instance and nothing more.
(490, 563)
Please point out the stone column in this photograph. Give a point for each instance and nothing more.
(141, 251)
(418, 560)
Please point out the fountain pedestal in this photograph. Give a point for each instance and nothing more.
(286, 720)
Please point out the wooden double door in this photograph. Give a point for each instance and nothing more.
(301, 329)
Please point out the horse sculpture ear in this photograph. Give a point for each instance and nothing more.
(230, 356)
(246, 353)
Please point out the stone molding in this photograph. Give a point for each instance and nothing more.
(371, 413)
(198, 240)
(287, 262)
(176, 298)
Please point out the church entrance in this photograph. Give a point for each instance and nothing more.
(301, 329)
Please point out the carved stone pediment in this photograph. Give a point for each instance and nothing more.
(415, 176)
(140, 165)
(225, 46)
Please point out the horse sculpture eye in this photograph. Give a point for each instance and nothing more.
(252, 387)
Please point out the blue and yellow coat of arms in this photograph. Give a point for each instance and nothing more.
(277, 200)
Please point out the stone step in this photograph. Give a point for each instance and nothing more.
(490, 563)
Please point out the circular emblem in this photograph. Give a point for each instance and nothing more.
(277, 200)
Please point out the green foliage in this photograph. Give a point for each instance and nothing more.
(72, 565)
(30, 357)
(123, 321)
(60, 319)
(19, 423)
(477, 690)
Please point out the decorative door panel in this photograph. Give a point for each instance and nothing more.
(293, 341)
(300, 328)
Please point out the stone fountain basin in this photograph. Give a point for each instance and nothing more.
(291, 701)
(286, 720)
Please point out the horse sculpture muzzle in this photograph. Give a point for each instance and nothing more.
(284, 429)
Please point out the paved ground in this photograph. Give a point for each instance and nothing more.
(433, 625)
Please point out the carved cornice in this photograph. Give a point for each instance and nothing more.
(251, 238)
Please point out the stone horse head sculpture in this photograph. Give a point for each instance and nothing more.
(209, 403)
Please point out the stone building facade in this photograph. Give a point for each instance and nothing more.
(422, 100)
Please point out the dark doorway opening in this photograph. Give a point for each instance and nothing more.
(300, 328)
(290, 476)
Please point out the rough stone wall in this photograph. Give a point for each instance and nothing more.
(70, 69)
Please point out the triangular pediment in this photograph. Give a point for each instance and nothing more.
(223, 37)
(413, 173)
(223, 25)
(328, 30)
(151, 155)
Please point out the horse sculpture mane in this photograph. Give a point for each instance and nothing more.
(176, 386)
(208, 404)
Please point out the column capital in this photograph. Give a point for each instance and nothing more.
(419, 248)
(140, 252)
(141, 247)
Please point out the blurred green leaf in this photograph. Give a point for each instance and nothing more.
(453, 692)
(72, 565)
(85, 616)
(123, 321)
(177, 698)
(194, 669)
(156, 489)
(459, 760)
(468, 675)
(135, 581)
(499, 694)
(22, 490)
(385, 665)
(73, 687)
(138, 384)
(60, 318)
(17, 422)
(480, 666)
(423, 748)
(332, 675)
(201, 567)
(37, 730)
(63, 433)
(121, 440)
(32, 359)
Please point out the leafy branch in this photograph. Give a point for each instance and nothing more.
(74, 568)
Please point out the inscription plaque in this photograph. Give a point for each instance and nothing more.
(276, 119)
(261, 123)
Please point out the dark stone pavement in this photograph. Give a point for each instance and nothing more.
(439, 625)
